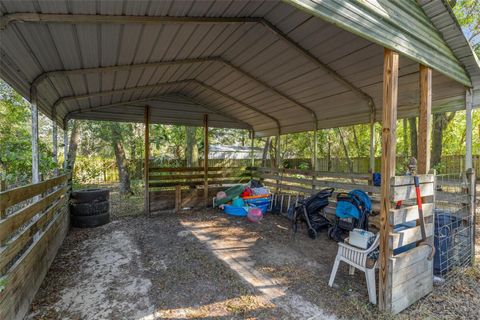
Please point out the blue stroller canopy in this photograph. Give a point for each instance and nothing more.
(350, 205)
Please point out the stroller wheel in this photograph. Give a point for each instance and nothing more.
(330, 232)
(312, 233)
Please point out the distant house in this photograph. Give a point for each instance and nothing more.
(233, 152)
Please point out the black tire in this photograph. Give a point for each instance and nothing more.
(312, 233)
(89, 209)
(89, 195)
(90, 221)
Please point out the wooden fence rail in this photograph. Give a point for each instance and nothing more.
(174, 188)
(33, 225)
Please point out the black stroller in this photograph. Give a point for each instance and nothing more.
(310, 210)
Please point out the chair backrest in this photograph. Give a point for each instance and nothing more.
(375, 243)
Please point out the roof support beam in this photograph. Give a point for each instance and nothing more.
(223, 94)
(78, 19)
(123, 103)
(38, 80)
(159, 85)
(214, 110)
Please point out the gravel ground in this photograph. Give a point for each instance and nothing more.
(206, 265)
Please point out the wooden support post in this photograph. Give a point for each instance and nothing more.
(205, 157)
(424, 120)
(178, 198)
(35, 152)
(468, 133)
(147, 158)
(389, 119)
(55, 145)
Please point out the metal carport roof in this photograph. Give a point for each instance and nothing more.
(261, 65)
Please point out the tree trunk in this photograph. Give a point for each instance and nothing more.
(413, 136)
(345, 150)
(440, 124)
(265, 152)
(121, 159)
(357, 143)
(273, 152)
(192, 147)
(405, 137)
(73, 145)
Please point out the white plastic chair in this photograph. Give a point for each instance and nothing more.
(357, 258)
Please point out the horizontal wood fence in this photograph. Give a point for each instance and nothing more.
(34, 220)
(171, 188)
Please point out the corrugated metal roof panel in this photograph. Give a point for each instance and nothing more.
(277, 71)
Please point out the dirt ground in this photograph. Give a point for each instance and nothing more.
(206, 265)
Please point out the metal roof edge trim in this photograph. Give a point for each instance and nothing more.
(462, 77)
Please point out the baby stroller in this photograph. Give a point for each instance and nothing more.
(310, 210)
(351, 213)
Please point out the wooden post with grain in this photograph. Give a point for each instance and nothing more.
(205, 157)
(389, 120)
(407, 276)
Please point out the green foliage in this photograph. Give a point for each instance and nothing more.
(468, 16)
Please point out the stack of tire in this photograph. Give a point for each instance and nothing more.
(90, 208)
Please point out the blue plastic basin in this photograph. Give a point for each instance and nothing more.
(235, 211)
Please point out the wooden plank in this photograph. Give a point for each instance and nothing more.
(401, 193)
(11, 248)
(17, 219)
(347, 186)
(412, 256)
(411, 291)
(389, 136)
(287, 179)
(14, 196)
(199, 169)
(205, 158)
(290, 188)
(178, 198)
(420, 267)
(174, 183)
(198, 176)
(176, 177)
(26, 275)
(424, 120)
(409, 268)
(410, 213)
(402, 238)
(182, 169)
(319, 174)
(408, 180)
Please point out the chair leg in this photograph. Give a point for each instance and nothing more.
(334, 272)
(351, 270)
(371, 286)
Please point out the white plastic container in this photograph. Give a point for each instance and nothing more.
(359, 238)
